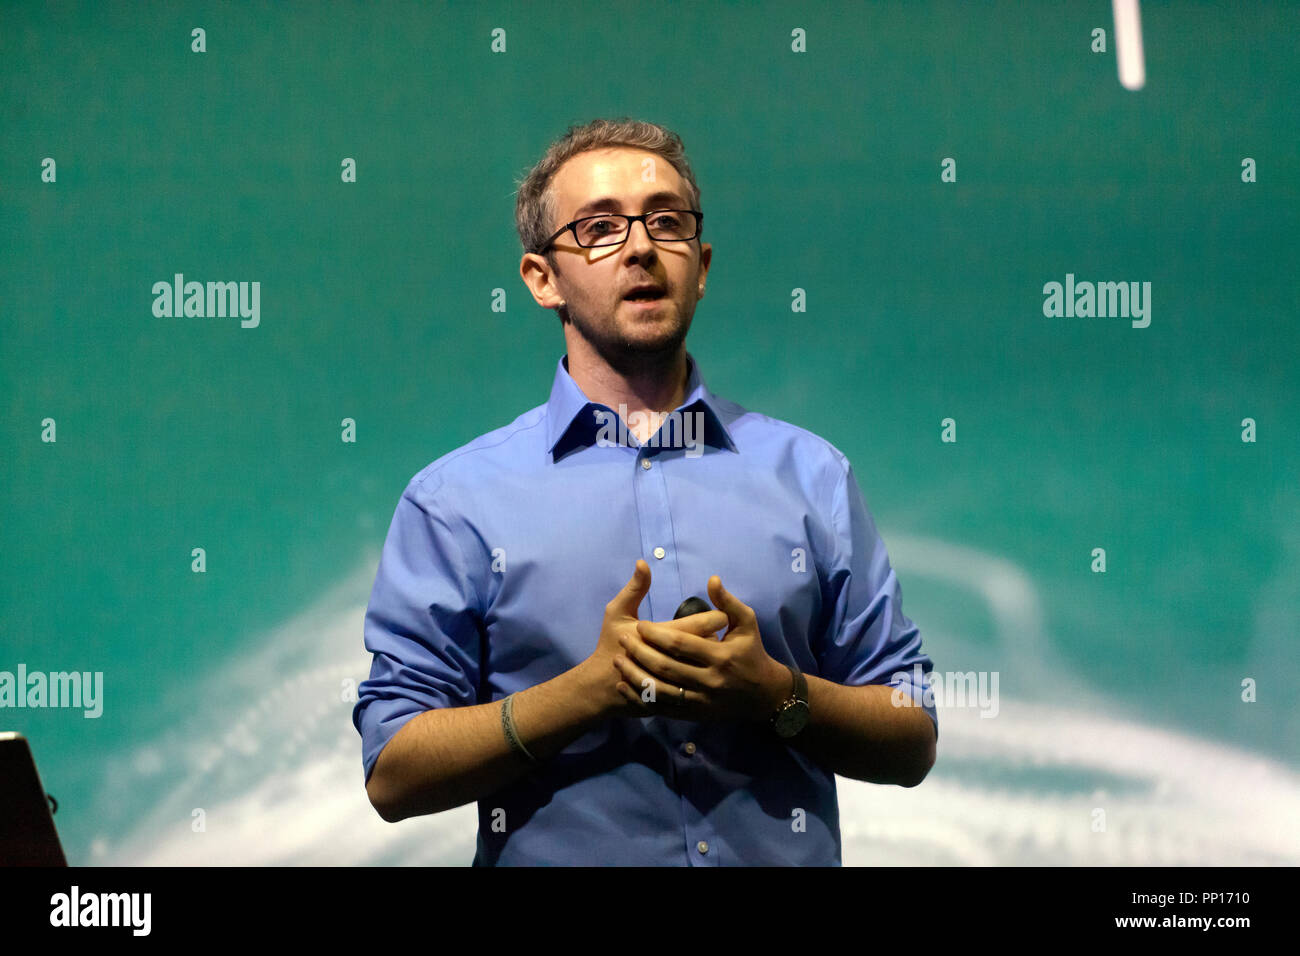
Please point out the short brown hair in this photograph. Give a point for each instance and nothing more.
(535, 202)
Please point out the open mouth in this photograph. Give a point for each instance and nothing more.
(644, 296)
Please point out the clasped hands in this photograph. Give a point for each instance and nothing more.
(654, 662)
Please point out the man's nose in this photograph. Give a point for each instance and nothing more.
(638, 238)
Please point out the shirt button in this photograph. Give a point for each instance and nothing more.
(645, 463)
(690, 747)
(702, 847)
(659, 552)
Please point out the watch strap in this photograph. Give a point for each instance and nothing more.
(798, 695)
(800, 683)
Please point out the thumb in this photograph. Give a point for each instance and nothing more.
(737, 612)
(628, 600)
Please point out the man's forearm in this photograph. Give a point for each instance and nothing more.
(857, 732)
(451, 756)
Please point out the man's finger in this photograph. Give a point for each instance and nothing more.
(705, 624)
(659, 665)
(736, 610)
(668, 700)
(641, 681)
(628, 601)
(679, 644)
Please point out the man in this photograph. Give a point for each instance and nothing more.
(514, 664)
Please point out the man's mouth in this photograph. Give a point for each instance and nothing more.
(645, 296)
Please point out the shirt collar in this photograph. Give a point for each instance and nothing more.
(572, 422)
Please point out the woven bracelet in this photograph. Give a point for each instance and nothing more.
(508, 725)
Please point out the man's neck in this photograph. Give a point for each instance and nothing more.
(643, 384)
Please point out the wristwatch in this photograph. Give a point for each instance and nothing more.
(792, 715)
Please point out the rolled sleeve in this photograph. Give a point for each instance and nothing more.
(422, 625)
(868, 640)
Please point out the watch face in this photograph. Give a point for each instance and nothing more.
(791, 720)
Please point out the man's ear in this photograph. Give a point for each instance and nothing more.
(538, 276)
(706, 258)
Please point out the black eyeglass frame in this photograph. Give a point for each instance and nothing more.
(699, 228)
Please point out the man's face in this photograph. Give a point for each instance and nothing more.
(595, 282)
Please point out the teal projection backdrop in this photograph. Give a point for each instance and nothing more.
(128, 440)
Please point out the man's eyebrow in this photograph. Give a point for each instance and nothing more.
(610, 204)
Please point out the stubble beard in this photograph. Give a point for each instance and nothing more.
(629, 354)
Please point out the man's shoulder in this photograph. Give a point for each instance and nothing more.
(476, 460)
(787, 439)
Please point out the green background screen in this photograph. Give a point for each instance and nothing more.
(227, 694)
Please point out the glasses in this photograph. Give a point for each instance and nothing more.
(612, 229)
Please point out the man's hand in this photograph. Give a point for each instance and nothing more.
(731, 679)
(602, 676)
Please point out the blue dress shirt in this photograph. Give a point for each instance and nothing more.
(494, 577)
